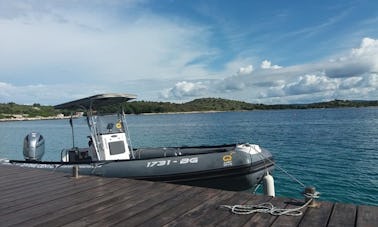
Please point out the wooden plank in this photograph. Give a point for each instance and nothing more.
(202, 214)
(23, 194)
(19, 180)
(285, 220)
(240, 198)
(367, 216)
(343, 215)
(101, 211)
(317, 217)
(89, 202)
(141, 207)
(34, 188)
(44, 188)
(264, 219)
(178, 210)
(44, 198)
(185, 198)
(153, 212)
(14, 170)
(8, 171)
(236, 219)
(24, 210)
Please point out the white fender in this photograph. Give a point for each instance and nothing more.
(268, 183)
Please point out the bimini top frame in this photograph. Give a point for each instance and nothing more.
(98, 100)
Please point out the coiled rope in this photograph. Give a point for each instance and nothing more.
(269, 208)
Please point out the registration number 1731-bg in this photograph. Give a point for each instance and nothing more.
(168, 162)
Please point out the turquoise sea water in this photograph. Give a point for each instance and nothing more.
(335, 150)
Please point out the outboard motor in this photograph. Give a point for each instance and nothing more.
(34, 146)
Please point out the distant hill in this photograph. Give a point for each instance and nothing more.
(204, 104)
(12, 110)
(219, 104)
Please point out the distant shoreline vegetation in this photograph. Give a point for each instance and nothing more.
(13, 111)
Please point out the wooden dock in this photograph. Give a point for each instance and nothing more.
(32, 197)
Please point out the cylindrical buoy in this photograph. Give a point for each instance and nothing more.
(268, 183)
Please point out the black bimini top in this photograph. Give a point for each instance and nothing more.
(98, 100)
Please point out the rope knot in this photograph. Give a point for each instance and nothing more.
(311, 193)
(315, 195)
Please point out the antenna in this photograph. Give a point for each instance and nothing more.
(72, 130)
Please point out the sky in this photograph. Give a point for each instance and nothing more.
(270, 52)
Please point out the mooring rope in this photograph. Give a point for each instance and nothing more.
(269, 208)
(283, 170)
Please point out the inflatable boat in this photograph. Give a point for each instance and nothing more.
(109, 153)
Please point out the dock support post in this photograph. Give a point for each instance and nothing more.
(75, 171)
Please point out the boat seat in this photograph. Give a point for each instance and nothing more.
(79, 155)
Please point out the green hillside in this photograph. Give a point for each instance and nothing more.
(218, 104)
(204, 104)
(11, 109)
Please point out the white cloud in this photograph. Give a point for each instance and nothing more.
(371, 81)
(308, 84)
(245, 70)
(185, 89)
(322, 88)
(4, 92)
(229, 84)
(368, 46)
(345, 78)
(49, 44)
(350, 83)
(361, 60)
(47, 94)
(268, 65)
(233, 66)
(86, 49)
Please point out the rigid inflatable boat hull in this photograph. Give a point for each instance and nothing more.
(223, 168)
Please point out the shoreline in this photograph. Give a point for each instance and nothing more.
(74, 117)
(195, 112)
(179, 112)
(35, 118)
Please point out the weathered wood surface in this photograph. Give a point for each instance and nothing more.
(31, 197)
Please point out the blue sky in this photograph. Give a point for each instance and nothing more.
(255, 51)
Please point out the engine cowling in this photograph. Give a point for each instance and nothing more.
(34, 147)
